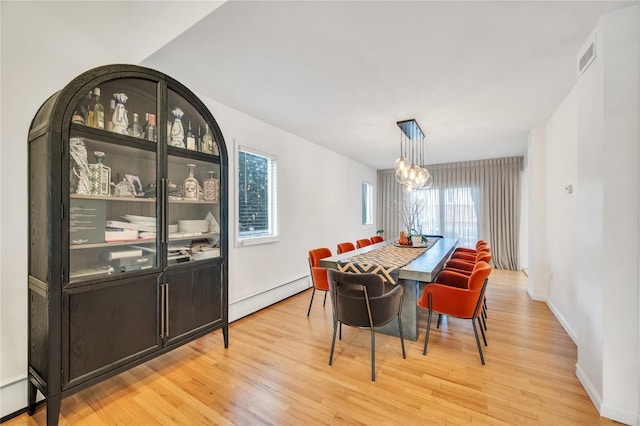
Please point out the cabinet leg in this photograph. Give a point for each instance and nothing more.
(225, 334)
(33, 392)
(53, 410)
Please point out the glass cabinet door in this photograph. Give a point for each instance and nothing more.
(113, 180)
(193, 185)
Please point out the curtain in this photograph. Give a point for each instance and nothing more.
(469, 201)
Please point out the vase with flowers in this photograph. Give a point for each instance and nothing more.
(409, 212)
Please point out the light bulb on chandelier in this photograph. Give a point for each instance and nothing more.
(409, 173)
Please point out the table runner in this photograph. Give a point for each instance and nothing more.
(384, 261)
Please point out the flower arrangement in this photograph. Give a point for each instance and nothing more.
(408, 212)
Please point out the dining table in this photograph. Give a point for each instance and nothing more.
(407, 266)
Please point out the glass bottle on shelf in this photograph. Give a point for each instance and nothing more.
(150, 133)
(190, 185)
(136, 128)
(98, 110)
(100, 176)
(211, 188)
(177, 131)
(199, 139)
(108, 119)
(207, 141)
(91, 113)
(191, 139)
(120, 119)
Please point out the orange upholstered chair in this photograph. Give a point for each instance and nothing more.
(318, 274)
(376, 239)
(363, 242)
(345, 247)
(463, 303)
(465, 266)
(469, 251)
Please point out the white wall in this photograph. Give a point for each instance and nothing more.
(319, 197)
(45, 45)
(538, 283)
(562, 171)
(592, 250)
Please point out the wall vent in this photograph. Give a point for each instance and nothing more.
(587, 57)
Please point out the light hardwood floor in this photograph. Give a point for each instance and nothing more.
(276, 372)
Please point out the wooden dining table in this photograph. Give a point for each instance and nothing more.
(423, 269)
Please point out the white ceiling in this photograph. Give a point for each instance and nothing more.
(477, 76)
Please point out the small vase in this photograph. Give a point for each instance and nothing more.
(119, 120)
(416, 240)
(177, 131)
(211, 188)
(403, 241)
(190, 185)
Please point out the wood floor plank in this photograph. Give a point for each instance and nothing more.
(276, 372)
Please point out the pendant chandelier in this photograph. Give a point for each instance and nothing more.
(410, 170)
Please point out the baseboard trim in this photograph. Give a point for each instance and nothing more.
(563, 322)
(249, 304)
(592, 393)
(623, 416)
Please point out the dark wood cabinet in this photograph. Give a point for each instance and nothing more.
(128, 228)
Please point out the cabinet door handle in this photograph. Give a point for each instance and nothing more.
(167, 310)
(165, 208)
(162, 303)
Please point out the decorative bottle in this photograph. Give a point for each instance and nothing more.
(207, 141)
(177, 131)
(120, 119)
(100, 176)
(190, 185)
(191, 139)
(136, 128)
(150, 133)
(211, 188)
(98, 110)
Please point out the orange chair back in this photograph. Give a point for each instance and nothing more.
(376, 239)
(363, 242)
(484, 256)
(481, 271)
(345, 247)
(319, 274)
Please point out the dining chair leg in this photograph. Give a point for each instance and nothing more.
(373, 354)
(313, 293)
(333, 341)
(475, 331)
(439, 321)
(426, 337)
(340, 337)
(404, 355)
(325, 299)
(484, 321)
(482, 331)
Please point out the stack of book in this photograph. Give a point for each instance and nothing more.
(126, 231)
(131, 259)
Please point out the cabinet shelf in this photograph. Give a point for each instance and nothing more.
(110, 244)
(112, 198)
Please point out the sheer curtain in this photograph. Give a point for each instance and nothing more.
(469, 201)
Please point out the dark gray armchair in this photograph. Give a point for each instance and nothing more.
(360, 300)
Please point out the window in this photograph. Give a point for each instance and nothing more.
(367, 203)
(451, 212)
(257, 219)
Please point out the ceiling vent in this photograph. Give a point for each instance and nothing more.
(588, 55)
